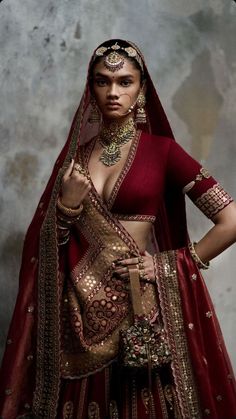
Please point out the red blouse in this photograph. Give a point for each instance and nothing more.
(156, 166)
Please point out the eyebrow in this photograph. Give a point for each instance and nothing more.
(128, 75)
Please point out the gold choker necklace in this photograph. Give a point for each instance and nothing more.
(112, 138)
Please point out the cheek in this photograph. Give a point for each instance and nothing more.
(99, 95)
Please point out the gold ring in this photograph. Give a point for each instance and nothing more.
(78, 168)
(141, 265)
(142, 273)
(140, 259)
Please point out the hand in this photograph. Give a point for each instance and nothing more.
(121, 267)
(75, 186)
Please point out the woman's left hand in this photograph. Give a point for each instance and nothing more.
(144, 264)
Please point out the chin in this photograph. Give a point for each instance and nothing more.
(113, 115)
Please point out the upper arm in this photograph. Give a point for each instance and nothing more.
(187, 175)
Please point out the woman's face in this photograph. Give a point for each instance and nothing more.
(115, 92)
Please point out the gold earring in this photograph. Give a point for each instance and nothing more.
(141, 117)
(94, 113)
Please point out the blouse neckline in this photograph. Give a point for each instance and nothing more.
(121, 176)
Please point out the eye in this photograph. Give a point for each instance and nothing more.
(100, 82)
(126, 83)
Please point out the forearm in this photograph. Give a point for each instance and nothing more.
(220, 237)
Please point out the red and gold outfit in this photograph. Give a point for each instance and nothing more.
(61, 359)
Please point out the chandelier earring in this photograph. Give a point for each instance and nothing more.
(141, 117)
(94, 116)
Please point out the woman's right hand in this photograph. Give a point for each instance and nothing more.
(75, 186)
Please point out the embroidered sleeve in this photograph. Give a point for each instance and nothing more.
(187, 175)
(213, 200)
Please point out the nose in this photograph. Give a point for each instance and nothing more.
(113, 91)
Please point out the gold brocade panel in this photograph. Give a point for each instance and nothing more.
(96, 304)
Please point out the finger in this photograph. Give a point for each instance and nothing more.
(131, 261)
(147, 254)
(121, 270)
(69, 170)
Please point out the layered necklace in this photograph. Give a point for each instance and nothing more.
(112, 137)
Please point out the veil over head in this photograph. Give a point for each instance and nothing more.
(157, 120)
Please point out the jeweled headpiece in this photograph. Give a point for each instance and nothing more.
(114, 61)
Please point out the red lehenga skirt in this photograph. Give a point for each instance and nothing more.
(112, 394)
(198, 383)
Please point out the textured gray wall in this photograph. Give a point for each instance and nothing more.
(44, 50)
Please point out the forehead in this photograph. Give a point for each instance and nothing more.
(127, 69)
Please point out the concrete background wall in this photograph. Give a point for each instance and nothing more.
(44, 50)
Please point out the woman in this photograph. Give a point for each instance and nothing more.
(114, 208)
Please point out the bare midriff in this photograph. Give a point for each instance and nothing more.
(139, 231)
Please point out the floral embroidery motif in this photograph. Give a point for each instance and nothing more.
(209, 314)
(93, 411)
(113, 410)
(145, 399)
(68, 410)
(214, 200)
(203, 174)
(191, 326)
(148, 402)
(169, 396)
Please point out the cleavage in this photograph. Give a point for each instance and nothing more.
(105, 178)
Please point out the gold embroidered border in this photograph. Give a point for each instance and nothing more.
(46, 393)
(83, 388)
(170, 301)
(125, 169)
(134, 217)
(161, 398)
(214, 200)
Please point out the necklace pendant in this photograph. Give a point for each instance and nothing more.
(112, 138)
(111, 154)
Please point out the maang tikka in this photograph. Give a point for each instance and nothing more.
(141, 117)
(94, 116)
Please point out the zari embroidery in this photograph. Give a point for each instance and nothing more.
(214, 200)
(134, 407)
(113, 410)
(173, 320)
(125, 169)
(93, 411)
(84, 382)
(148, 402)
(203, 174)
(134, 217)
(48, 334)
(68, 410)
(99, 304)
(145, 399)
(161, 398)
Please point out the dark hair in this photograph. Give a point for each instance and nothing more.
(123, 44)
